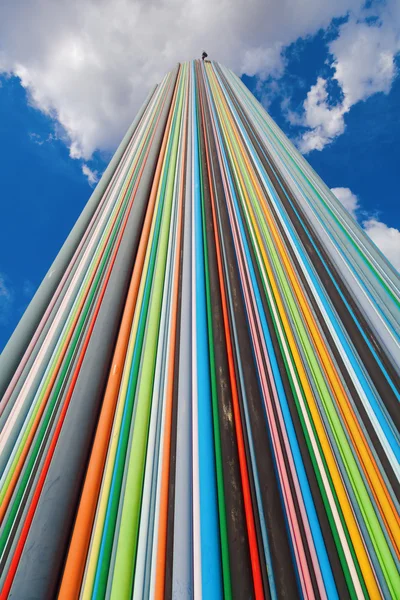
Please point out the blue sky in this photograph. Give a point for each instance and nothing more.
(365, 158)
(43, 193)
(323, 90)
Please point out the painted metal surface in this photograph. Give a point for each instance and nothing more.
(209, 406)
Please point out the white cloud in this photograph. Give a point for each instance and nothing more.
(364, 64)
(325, 122)
(386, 238)
(5, 291)
(36, 139)
(90, 63)
(6, 300)
(348, 199)
(263, 62)
(364, 59)
(92, 176)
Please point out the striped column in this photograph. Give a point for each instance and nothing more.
(206, 401)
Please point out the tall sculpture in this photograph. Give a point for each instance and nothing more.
(202, 398)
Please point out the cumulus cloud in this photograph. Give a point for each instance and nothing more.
(325, 122)
(263, 62)
(364, 63)
(92, 176)
(386, 238)
(348, 199)
(364, 58)
(89, 63)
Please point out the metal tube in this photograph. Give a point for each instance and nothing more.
(42, 559)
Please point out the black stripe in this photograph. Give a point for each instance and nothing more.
(283, 568)
(172, 466)
(281, 188)
(240, 567)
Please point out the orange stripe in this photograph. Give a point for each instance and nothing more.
(251, 530)
(75, 565)
(163, 518)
